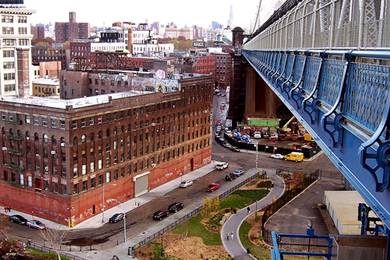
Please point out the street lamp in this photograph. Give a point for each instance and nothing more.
(103, 200)
(257, 156)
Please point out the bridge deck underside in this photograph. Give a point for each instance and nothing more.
(344, 103)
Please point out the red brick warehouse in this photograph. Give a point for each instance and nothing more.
(56, 156)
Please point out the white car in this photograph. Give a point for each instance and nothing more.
(277, 156)
(185, 184)
(257, 135)
(221, 166)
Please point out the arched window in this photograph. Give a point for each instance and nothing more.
(100, 134)
(27, 135)
(108, 132)
(75, 141)
(36, 137)
(115, 131)
(83, 139)
(53, 139)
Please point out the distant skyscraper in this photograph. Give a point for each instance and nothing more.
(215, 25)
(230, 21)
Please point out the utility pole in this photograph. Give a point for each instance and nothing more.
(124, 226)
(103, 204)
(257, 156)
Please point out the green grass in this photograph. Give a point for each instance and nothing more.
(238, 199)
(43, 255)
(259, 252)
(242, 198)
(194, 227)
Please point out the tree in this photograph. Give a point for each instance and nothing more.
(54, 238)
(3, 227)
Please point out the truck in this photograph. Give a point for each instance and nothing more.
(295, 157)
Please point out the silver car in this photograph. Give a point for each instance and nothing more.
(185, 184)
(35, 224)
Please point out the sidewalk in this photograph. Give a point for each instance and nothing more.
(234, 246)
(96, 221)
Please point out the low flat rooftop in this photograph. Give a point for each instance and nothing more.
(56, 102)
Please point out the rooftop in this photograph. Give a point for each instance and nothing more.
(53, 82)
(55, 102)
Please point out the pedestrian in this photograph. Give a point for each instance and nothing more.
(248, 209)
(227, 236)
(231, 235)
(248, 251)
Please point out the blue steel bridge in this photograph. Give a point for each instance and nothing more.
(328, 62)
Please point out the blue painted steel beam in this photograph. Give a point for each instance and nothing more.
(342, 100)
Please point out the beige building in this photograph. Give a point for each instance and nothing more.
(343, 209)
(46, 87)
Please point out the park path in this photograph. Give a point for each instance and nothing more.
(234, 246)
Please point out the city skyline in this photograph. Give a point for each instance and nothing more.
(243, 15)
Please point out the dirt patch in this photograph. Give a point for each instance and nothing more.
(254, 232)
(186, 248)
(193, 248)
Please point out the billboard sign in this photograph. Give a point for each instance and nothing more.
(198, 44)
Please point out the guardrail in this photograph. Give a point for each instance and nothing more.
(50, 250)
(196, 211)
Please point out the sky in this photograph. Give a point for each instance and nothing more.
(181, 12)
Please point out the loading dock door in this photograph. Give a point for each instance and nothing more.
(141, 184)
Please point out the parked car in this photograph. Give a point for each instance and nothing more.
(218, 128)
(18, 219)
(175, 207)
(277, 156)
(35, 224)
(160, 215)
(228, 178)
(185, 184)
(257, 135)
(227, 145)
(221, 166)
(233, 176)
(116, 218)
(238, 172)
(234, 149)
(213, 187)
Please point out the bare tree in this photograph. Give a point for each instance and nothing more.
(54, 238)
(3, 227)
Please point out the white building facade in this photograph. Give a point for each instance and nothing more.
(153, 49)
(15, 51)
